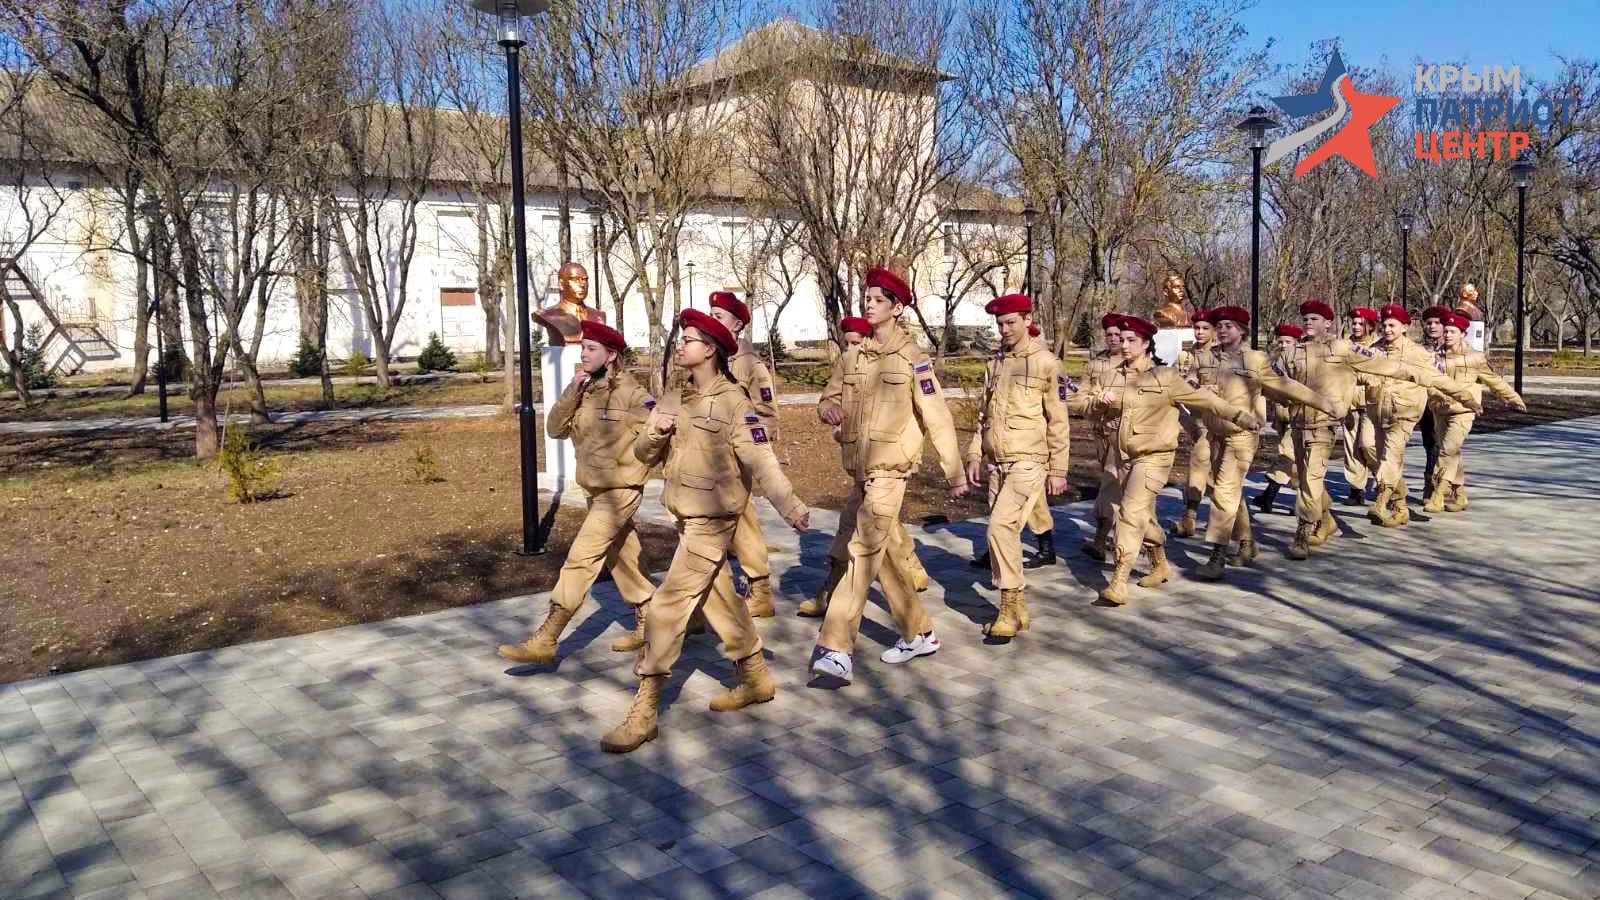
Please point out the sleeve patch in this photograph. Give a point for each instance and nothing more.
(1277, 368)
(758, 434)
(924, 366)
(928, 386)
(766, 395)
(1368, 352)
(1061, 386)
(751, 418)
(649, 402)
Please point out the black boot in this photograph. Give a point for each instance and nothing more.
(1355, 498)
(980, 562)
(1264, 502)
(1047, 551)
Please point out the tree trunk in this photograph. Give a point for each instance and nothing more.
(207, 429)
(564, 209)
(141, 315)
(259, 414)
(13, 355)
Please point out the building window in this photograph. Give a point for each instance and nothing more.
(458, 296)
(949, 241)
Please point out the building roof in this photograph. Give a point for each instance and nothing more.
(784, 44)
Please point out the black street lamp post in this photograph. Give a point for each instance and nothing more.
(1256, 126)
(689, 304)
(1521, 174)
(152, 209)
(1028, 215)
(1406, 217)
(509, 13)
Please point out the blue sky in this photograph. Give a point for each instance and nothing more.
(1523, 33)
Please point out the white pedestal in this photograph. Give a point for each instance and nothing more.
(559, 460)
(1476, 336)
(1169, 343)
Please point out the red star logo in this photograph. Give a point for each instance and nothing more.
(1353, 142)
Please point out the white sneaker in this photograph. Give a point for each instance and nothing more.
(905, 651)
(833, 664)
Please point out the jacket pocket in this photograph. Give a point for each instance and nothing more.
(696, 482)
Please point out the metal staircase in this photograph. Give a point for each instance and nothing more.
(75, 338)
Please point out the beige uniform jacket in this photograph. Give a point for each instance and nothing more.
(716, 454)
(1471, 368)
(1198, 366)
(1024, 413)
(603, 419)
(1358, 397)
(1389, 400)
(1095, 379)
(1246, 379)
(752, 375)
(1148, 396)
(889, 394)
(1330, 368)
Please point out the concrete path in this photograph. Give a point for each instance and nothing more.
(1411, 713)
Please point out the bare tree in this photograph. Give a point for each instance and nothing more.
(985, 254)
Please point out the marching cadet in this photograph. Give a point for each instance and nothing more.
(1329, 365)
(603, 410)
(1360, 440)
(1148, 395)
(1433, 319)
(1453, 421)
(750, 373)
(1040, 520)
(1103, 425)
(1022, 442)
(715, 449)
(1286, 338)
(1245, 379)
(882, 395)
(1198, 366)
(855, 330)
(1396, 407)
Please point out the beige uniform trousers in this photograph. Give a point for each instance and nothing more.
(1231, 456)
(1311, 448)
(1282, 472)
(1452, 430)
(1360, 448)
(1200, 463)
(750, 543)
(1105, 502)
(877, 530)
(902, 546)
(1039, 518)
(605, 540)
(1393, 436)
(698, 578)
(1014, 492)
(1143, 479)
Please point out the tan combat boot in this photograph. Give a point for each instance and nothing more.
(635, 639)
(1435, 501)
(817, 606)
(1326, 528)
(541, 648)
(755, 685)
(1160, 571)
(1009, 622)
(1300, 547)
(1247, 554)
(640, 724)
(1379, 512)
(1458, 499)
(1116, 591)
(760, 599)
(1186, 526)
(1214, 567)
(1096, 549)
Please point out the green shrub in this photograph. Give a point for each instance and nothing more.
(435, 357)
(251, 474)
(774, 348)
(36, 374)
(424, 464)
(306, 361)
(170, 364)
(356, 364)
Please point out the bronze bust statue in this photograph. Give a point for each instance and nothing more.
(563, 320)
(1467, 302)
(1172, 313)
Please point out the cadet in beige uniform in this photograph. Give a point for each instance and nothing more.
(1148, 396)
(1329, 365)
(750, 373)
(1103, 425)
(603, 410)
(1198, 366)
(1452, 420)
(715, 451)
(1360, 440)
(1245, 379)
(1396, 407)
(1285, 341)
(1022, 443)
(1040, 521)
(882, 395)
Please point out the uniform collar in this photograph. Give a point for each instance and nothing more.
(1142, 364)
(718, 385)
(1028, 347)
(897, 338)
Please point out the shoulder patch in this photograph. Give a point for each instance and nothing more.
(751, 418)
(923, 365)
(1063, 387)
(929, 386)
(766, 394)
(1368, 352)
(649, 402)
(757, 432)
(1277, 368)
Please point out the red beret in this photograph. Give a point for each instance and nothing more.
(1010, 303)
(1397, 313)
(604, 335)
(857, 324)
(1142, 326)
(1034, 331)
(1287, 330)
(1436, 312)
(1316, 308)
(1457, 320)
(726, 300)
(1204, 315)
(1365, 312)
(890, 284)
(1111, 320)
(711, 328)
(1235, 314)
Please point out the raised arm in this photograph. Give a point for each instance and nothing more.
(1180, 392)
(927, 399)
(561, 416)
(1496, 385)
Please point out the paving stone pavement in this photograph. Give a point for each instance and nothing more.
(1411, 713)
